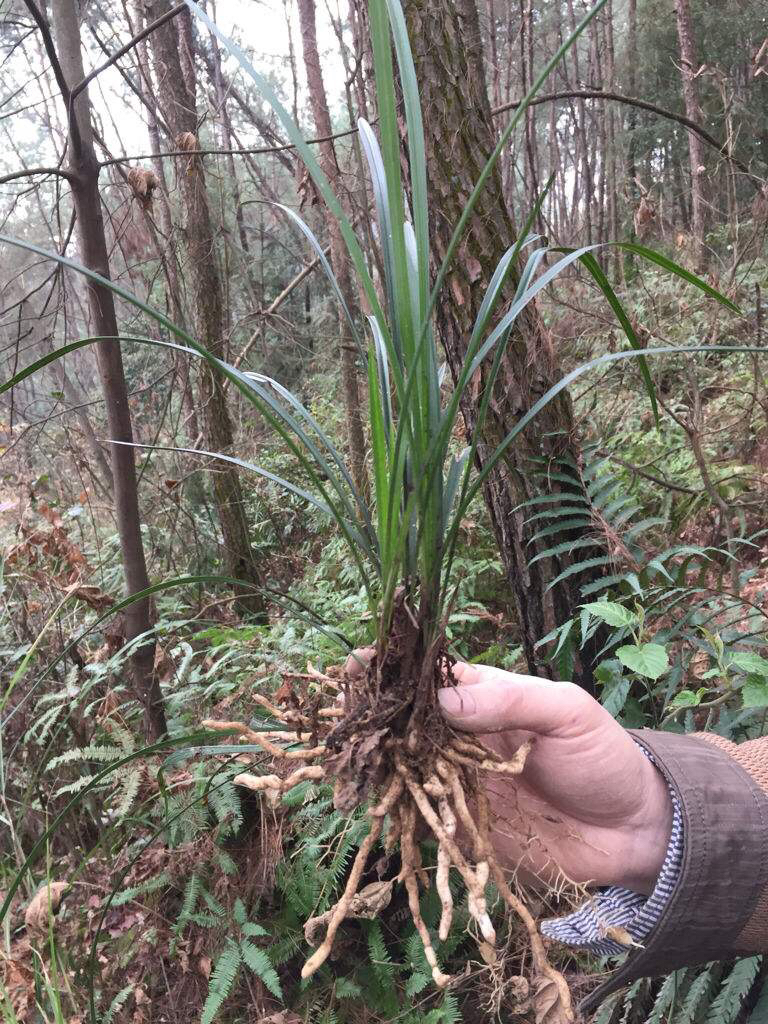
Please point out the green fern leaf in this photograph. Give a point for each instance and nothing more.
(222, 980)
(122, 735)
(239, 912)
(451, 1014)
(129, 788)
(226, 863)
(416, 983)
(665, 997)
(636, 996)
(255, 931)
(578, 523)
(697, 995)
(224, 801)
(117, 1004)
(608, 1010)
(381, 961)
(102, 753)
(568, 545)
(346, 988)
(76, 786)
(261, 965)
(572, 570)
(143, 889)
(760, 1013)
(189, 901)
(730, 999)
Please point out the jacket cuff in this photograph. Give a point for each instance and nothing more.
(615, 909)
(724, 867)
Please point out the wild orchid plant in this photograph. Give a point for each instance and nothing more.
(390, 743)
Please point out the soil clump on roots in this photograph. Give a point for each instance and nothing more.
(391, 746)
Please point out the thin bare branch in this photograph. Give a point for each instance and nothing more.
(617, 97)
(29, 172)
(148, 30)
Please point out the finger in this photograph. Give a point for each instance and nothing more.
(468, 675)
(505, 700)
(358, 661)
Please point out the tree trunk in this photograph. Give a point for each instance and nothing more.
(168, 253)
(449, 64)
(93, 251)
(339, 255)
(688, 69)
(634, 192)
(172, 46)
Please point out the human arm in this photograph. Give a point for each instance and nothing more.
(587, 785)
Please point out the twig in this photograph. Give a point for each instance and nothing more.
(45, 31)
(225, 152)
(147, 30)
(632, 101)
(59, 171)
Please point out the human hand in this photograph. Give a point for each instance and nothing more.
(588, 800)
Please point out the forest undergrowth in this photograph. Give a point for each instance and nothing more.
(360, 392)
(176, 891)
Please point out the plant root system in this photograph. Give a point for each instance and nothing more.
(392, 744)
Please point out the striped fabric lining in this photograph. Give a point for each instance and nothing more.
(618, 907)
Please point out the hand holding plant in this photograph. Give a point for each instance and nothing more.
(593, 805)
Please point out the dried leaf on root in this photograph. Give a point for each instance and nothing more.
(548, 1004)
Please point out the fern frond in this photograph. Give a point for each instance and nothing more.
(381, 961)
(40, 729)
(665, 997)
(697, 995)
(635, 997)
(416, 983)
(729, 1001)
(189, 901)
(225, 862)
(129, 788)
(258, 961)
(222, 981)
(450, 1012)
(346, 988)
(117, 1004)
(607, 1011)
(76, 786)
(239, 913)
(103, 753)
(255, 931)
(150, 885)
(224, 801)
(122, 735)
(760, 1012)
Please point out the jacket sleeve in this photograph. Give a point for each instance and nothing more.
(719, 907)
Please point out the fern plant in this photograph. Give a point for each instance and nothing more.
(239, 952)
(713, 994)
(125, 787)
(622, 563)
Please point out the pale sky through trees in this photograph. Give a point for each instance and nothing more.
(260, 25)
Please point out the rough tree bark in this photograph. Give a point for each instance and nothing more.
(339, 256)
(448, 55)
(173, 49)
(84, 167)
(167, 253)
(688, 69)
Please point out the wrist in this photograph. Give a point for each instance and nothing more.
(649, 832)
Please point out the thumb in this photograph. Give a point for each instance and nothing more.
(505, 700)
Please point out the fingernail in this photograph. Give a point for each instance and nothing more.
(457, 701)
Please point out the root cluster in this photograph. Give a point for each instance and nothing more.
(424, 789)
